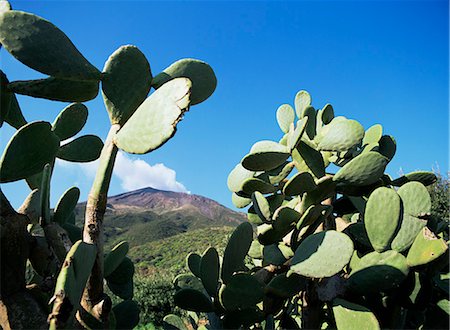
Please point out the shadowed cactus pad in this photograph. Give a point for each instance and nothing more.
(265, 155)
(203, 79)
(86, 148)
(31, 147)
(114, 258)
(323, 254)
(40, 45)
(379, 272)
(154, 122)
(382, 216)
(57, 89)
(126, 67)
(241, 291)
(66, 205)
(193, 300)
(209, 271)
(70, 121)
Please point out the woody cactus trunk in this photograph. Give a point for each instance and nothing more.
(45, 257)
(338, 243)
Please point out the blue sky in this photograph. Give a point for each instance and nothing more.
(377, 62)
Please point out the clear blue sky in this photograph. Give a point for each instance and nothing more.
(378, 62)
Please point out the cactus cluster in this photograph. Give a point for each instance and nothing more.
(51, 268)
(354, 249)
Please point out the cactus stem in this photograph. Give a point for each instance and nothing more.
(93, 225)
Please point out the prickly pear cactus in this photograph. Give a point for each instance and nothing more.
(352, 249)
(66, 266)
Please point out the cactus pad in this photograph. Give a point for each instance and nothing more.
(409, 228)
(387, 146)
(30, 148)
(209, 271)
(416, 199)
(322, 255)
(70, 121)
(239, 201)
(57, 89)
(154, 122)
(203, 79)
(299, 184)
(425, 178)
(40, 45)
(173, 322)
(382, 217)
(193, 300)
(302, 101)
(66, 205)
(373, 134)
(363, 170)
(237, 176)
(313, 159)
(426, 248)
(342, 135)
(114, 258)
(126, 314)
(261, 206)
(86, 148)
(236, 250)
(352, 316)
(286, 286)
(285, 117)
(265, 155)
(377, 272)
(249, 186)
(126, 67)
(241, 291)
(193, 263)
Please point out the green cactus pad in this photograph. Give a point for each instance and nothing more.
(373, 134)
(15, 117)
(237, 176)
(310, 114)
(203, 79)
(193, 263)
(75, 272)
(5, 100)
(302, 101)
(66, 205)
(239, 201)
(312, 214)
(426, 248)
(379, 272)
(70, 121)
(75, 233)
(285, 117)
(357, 232)
(342, 135)
(240, 292)
(114, 258)
(387, 146)
(126, 67)
(284, 220)
(84, 149)
(31, 206)
(280, 173)
(154, 122)
(209, 271)
(265, 155)
(183, 281)
(425, 178)
(127, 314)
(249, 186)
(299, 184)
(409, 228)
(327, 114)
(363, 170)
(30, 148)
(261, 206)
(322, 255)
(326, 188)
(312, 158)
(351, 316)
(236, 250)
(40, 45)
(416, 199)
(382, 217)
(295, 134)
(193, 300)
(286, 286)
(173, 322)
(120, 281)
(57, 89)
(273, 254)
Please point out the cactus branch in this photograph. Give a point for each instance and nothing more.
(93, 226)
